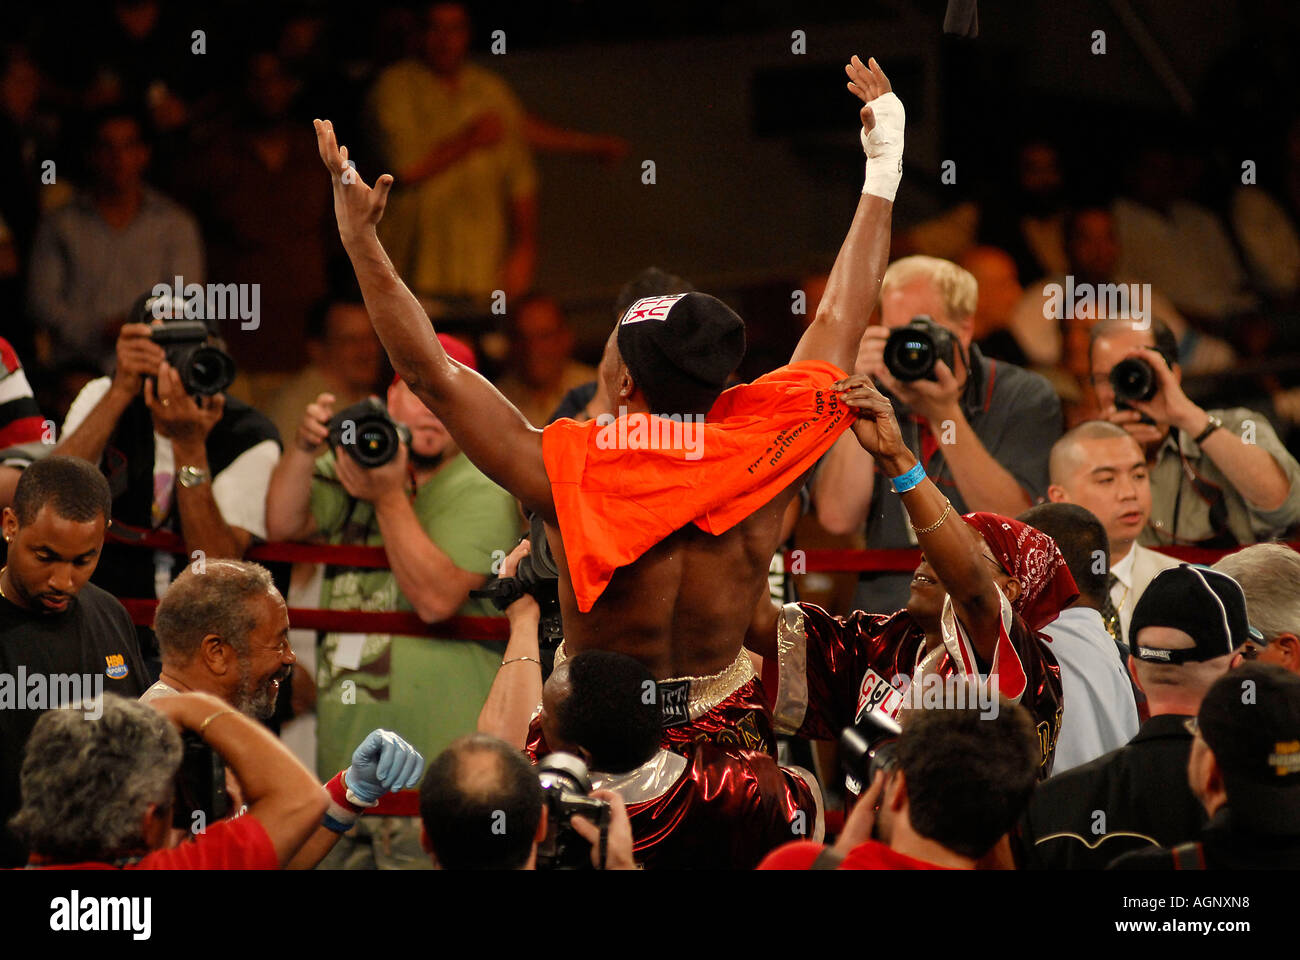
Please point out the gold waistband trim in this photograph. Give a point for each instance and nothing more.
(705, 692)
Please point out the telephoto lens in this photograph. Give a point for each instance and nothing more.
(367, 432)
(866, 748)
(911, 352)
(1134, 379)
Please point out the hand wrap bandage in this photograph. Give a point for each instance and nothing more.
(884, 147)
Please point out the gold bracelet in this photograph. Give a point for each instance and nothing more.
(922, 531)
(518, 659)
(220, 713)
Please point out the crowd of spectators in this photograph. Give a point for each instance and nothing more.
(131, 501)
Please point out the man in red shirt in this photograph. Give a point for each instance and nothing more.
(98, 789)
(951, 786)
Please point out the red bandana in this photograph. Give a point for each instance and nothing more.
(1032, 557)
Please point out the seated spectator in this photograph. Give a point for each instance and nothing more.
(1021, 215)
(1185, 629)
(481, 808)
(92, 258)
(542, 368)
(1055, 339)
(441, 522)
(1245, 771)
(981, 430)
(1219, 478)
(999, 291)
(1177, 245)
(1099, 712)
(983, 590)
(1269, 575)
(54, 623)
(224, 630)
(22, 429)
(345, 360)
(99, 789)
(724, 806)
(957, 781)
(1101, 468)
(194, 466)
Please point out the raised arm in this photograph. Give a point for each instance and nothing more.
(854, 283)
(951, 547)
(495, 436)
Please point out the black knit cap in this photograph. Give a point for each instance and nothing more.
(681, 349)
(1205, 604)
(1250, 718)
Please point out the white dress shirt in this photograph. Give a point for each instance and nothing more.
(1132, 574)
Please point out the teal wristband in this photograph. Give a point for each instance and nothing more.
(906, 481)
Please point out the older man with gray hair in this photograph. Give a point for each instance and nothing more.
(98, 788)
(223, 629)
(1269, 574)
(980, 428)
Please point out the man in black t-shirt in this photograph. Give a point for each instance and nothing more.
(62, 639)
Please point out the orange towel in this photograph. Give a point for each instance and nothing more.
(622, 487)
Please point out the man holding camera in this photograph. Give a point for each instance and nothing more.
(483, 807)
(443, 525)
(176, 460)
(980, 428)
(1219, 478)
(99, 790)
(941, 798)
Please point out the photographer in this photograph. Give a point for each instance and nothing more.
(482, 808)
(441, 522)
(724, 806)
(954, 783)
(980, 428)
(225, 631)
(196, 465)
(99, 792)
(1219, 478)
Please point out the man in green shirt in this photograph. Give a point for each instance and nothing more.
(442, 523)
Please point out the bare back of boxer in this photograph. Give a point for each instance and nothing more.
(683, 607)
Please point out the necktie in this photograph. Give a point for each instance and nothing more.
(1109, 614)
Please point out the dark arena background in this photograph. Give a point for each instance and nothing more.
(673, 437)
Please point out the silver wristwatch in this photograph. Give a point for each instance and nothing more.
(192, 476)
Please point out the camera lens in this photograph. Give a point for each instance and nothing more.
(1133, 379)
(207, 371)
(909, 354)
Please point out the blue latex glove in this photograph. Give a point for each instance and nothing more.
(383, 762)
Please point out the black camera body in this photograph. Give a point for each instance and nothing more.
(1133, 378)
(866, 748)
(368, 433)
(566, 789)
(200, 785)
(912, 351)
(204, 369)
(538, 576)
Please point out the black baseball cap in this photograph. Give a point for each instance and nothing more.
(1250, 718)
(1205, 604)
(681, 349)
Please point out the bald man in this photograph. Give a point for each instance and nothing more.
(1100, 467)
